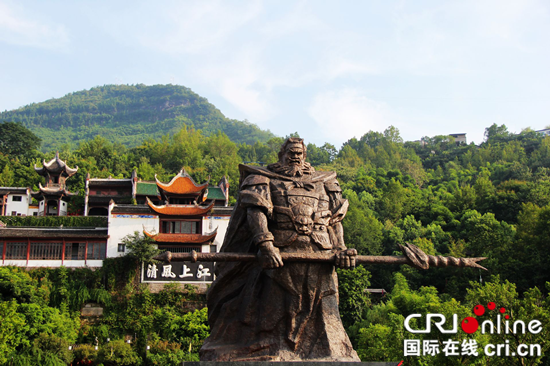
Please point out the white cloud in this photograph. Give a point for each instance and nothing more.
(345, 113)
(196, 27)
(300, 19)
(240, 86)
(19, 29)
(510, 21)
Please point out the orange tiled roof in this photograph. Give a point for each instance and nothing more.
(182, 184)
(182, 238)
(180, 210)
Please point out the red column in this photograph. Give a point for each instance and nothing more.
(4, 252)
(63, 252)
(86, 253)
(28, 250)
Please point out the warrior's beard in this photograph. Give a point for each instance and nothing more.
(291, 170)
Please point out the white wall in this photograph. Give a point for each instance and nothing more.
(63, 208)
(32, 210)
(76, 263)
(121, 225)
(21, 208)
(211, 222)
(44, 263)
(14, 262)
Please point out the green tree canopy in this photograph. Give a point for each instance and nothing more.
(16, 140)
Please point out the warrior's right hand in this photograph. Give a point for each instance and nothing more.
(270, 256)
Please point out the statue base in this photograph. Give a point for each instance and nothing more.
(309, 363)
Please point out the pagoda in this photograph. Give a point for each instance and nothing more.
(182, 215)
(54, 197)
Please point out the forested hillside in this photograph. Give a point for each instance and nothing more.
(491, 200)
(127, 114)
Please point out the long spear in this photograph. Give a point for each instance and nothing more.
(413, 256)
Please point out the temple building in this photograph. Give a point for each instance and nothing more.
(100, 192)
(54, 198)
(180, 216)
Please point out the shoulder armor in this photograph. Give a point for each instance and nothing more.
(254, 180)
(333, 186)
(340, 212)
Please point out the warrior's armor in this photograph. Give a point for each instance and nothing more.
(300, 211)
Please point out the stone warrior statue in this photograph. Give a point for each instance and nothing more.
(275, 311)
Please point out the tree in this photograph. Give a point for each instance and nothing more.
(321, 155)
(496, 131)
(16, 140)
(140, 247)
(352, 286)
(12, 330)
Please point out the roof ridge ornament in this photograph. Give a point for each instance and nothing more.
(55, 165)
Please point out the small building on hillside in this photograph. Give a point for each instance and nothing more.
(545, 132)
(460, 138)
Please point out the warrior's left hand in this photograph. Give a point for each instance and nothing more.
(346, 258)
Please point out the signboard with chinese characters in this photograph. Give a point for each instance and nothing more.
(178, 272)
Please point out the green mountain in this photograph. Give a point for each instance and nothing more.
(128, 114)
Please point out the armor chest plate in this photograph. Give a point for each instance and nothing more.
(300, 210)
(293, 193)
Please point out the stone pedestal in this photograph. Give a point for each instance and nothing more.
(314, 363)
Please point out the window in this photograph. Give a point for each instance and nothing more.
(180, 201)
(17, 198)
(16, 250)
(96, 250)
(1, 249)
(75, 251)
(121, 248)
(46, 251)
(14, 213)
(180, 249)
(181, 227)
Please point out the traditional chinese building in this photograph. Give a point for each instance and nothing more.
(54, 198)
(100, 192)
(53, 246)
(180, 216)
(183, 225)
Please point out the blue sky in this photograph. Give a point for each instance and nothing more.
(329, 70)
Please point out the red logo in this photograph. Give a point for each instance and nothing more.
(471, 325)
